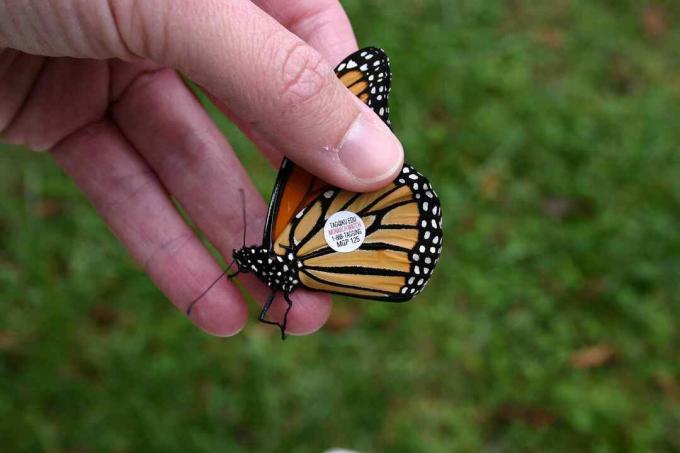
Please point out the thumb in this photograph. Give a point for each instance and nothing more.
(276, 84)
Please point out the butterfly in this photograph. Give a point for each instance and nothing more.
(381, 245)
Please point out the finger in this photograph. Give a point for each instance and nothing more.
(17, 73)
(323, 24)
(39, 118)
(169, 127)
(277, 83)
(130, 198)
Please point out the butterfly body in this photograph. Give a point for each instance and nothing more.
(279, 272)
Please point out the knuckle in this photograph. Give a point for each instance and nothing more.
(164, 255)
(140, 27)
(305, 76)
(130, 187)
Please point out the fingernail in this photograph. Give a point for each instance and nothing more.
(369, 150)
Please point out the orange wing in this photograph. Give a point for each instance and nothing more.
(299, 189)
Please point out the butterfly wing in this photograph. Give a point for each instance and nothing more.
(366, 73)
(294, 189)
(403, 220)
(401, 247)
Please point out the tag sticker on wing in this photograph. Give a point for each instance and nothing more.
(344, 231)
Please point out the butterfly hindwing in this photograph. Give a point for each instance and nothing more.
(401, 247)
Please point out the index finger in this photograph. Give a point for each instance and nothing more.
(323, 24)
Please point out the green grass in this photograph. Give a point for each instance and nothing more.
(551, 134)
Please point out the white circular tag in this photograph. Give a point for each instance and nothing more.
(344, 231)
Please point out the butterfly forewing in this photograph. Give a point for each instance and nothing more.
(297, 189)
(366, 73)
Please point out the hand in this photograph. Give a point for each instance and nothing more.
(94, 83)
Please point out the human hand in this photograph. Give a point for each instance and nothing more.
(94, 83)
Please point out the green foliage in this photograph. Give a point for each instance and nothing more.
(550, 132)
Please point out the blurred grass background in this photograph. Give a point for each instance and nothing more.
(550, 131)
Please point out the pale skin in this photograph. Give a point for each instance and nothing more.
(94, 83)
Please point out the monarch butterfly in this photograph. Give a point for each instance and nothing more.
(380, 245)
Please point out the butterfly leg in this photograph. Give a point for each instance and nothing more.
(263, 314)
(265, 309)
(285, 315)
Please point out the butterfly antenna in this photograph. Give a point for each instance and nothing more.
(224, 272)
(243, 213)
(193, 302)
